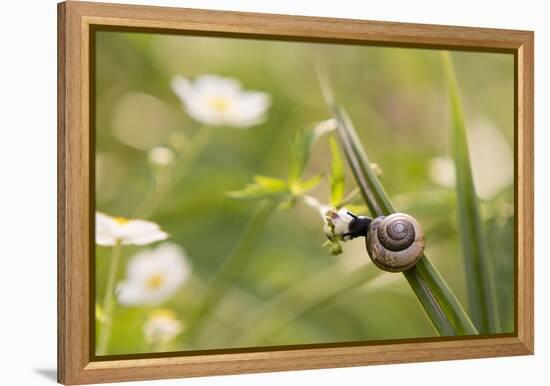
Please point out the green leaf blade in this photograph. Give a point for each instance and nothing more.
(478, 266)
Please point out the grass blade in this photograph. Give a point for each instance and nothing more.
(479, 271)
(437, 299)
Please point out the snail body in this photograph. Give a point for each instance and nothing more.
(395, 243)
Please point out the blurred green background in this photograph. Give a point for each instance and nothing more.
(397, 99)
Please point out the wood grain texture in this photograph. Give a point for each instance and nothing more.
(62, 266)
(73, 191)
(525, 200)
(76, 364)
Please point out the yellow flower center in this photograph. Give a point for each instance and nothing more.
(163, 314)
(121, 220)
(155, 282)
(218, 104)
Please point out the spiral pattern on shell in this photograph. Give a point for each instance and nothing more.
(396, 233)
(395, 243)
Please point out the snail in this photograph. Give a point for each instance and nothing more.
(394, 243)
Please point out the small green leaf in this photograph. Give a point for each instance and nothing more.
(337, 174)
(300, 187)
(300, 147)
(253, 192)
(336, 248)
(270, 183)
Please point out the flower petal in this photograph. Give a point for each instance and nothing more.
(104, 230)
(249, 109)
(141, 232)
(337, 222)
(141, 265)
(183, 88)
(215, 100)
(162, 326)
(167, 263)
(210, 84)
(199, 109)
(130, 293)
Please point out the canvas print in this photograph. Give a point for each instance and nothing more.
(254, 193)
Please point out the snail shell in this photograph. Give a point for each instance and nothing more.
(395, 243)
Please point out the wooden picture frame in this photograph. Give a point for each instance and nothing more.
(76, 21)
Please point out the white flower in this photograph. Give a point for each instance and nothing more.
(337, 223)
(162, 326)
(218, 101)
(491, 158)
(110, 230)
(154, 275)
(161, 156)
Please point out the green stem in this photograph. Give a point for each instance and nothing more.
(426, 298)
(438, 301)
(349, 198)
(231, 267)
(108, 300)
(165, 179)
(314, 204)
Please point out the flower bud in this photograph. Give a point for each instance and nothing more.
(161, 156)
(337, 223)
